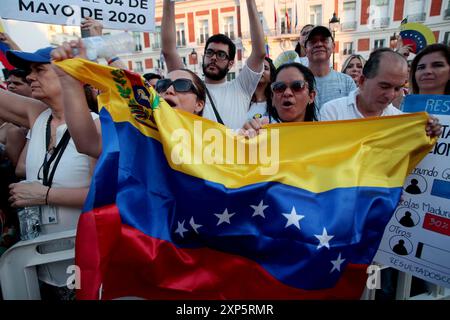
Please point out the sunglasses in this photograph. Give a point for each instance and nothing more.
(296, 86)
(221, 55)
(179, 85)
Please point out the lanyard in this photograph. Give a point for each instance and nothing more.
(218, 118)
(56, 155)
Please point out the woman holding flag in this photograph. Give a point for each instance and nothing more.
(181, 89)
(58, 176)
(293, 93)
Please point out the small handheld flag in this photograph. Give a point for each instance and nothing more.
(285, 57)
(3, 48)
(417, 35)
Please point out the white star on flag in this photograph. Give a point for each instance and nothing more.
(293, 218)
(181, 229)
(193, 225)
(337, 263)
(324, 238)
(224, 217)
(259, 209)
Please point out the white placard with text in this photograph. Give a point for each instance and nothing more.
(417, 238)
(132, 15)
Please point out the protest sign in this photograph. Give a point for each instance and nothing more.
(417, 239)
(132, 15)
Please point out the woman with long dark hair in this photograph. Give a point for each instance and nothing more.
(262, 98)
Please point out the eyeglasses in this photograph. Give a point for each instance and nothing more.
(180, 85)
(221, 55)
(296, 86)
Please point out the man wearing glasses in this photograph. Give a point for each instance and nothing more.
(226, 102)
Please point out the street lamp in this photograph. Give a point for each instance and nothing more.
(193, 58)
(333, 24)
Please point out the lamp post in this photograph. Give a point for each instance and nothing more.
(333, 24)
(194, 60)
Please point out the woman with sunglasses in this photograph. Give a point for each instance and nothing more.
(182, 89)
(353, 66)
(293, 93)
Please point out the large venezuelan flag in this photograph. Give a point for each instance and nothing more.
(160, 230)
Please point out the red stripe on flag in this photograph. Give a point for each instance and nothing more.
(5, 62)
(97, 234)
(130, 263)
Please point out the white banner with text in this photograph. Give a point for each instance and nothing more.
(131, 15)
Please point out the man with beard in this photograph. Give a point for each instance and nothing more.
(227, 102)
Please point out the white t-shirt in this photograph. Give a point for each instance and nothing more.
(233, 98)
(73, 171)
(257, 110)
(345, 109)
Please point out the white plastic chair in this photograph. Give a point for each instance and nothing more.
(18, 276)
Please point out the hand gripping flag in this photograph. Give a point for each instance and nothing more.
(172, 212)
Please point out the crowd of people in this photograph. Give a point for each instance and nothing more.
(50, 133)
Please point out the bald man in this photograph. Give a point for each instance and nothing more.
(382, 81)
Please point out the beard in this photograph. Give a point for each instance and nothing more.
(215, 76)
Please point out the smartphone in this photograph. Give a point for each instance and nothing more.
(85, 33)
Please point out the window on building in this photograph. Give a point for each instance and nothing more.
(184, 61)
(155, 38)
(137, 41)
(286, 21)
(261, 17)
(379, 14)
(231, 76)
(160, 64)
(415, 10)
(315, 14)
(203, 31)
(379, 43)
(138, 67)
(181, 39)
(228, 27)
(349, 16)
(348, 48)
(447, 11)
(447, 38)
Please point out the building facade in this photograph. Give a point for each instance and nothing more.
(364, 26)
